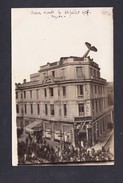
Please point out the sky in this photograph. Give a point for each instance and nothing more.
(41, 35)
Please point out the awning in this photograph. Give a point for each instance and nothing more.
(48, 126)
(82, 127)
(67, 129)
(57, 127)
(35, 126)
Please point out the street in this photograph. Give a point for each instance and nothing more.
(110, 144)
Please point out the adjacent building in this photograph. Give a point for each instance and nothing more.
(67, 100)
(110, 93)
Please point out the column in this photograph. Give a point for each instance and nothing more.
(89, 135)
(111, 117)
(96, 130)
(103, 124)
(52, 131)
(94, 133)
(44, 129)
(100, 127)
(106, 121)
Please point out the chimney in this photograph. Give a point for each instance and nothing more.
(24, 81)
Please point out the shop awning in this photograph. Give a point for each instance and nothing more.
(35, 126)
(67, 129)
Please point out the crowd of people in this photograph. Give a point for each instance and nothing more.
(35, 150)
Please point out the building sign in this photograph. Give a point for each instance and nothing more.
(57, 135)
(86, 92)
(48, 133)
(87, 109)
(87, 103)
(67, 136)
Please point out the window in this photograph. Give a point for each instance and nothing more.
(80, 90)
(38, 109)
(100, 106)
(58, 91)
(102, 89)
(97, 106)
(53, 74)
(51, 92)
(25, 108)
(79, 72)
(93, 109)
(37, 94)
(16, 95)
(81, 109)
(46, 111)
(91, 89)
(17, 108)
(94, 73)
(30, 93)
(63, 73)
(45, 92)
(31, 106)
(60, 112)
(65, 110)
(64, 91)
(99, 89)
(98, 74)
(104, 102)
(45, 74)
(91, 71)
(95, 89)
(21, 95)
(24, 94)
(22, 110)
(52, 112)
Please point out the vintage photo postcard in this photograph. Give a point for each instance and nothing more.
(62, 86)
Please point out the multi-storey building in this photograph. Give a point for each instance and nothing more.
(110, 93)
(67, 99)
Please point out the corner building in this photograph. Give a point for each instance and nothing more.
(67, 99)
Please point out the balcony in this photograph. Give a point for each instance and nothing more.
(78, 76)
(98, 79)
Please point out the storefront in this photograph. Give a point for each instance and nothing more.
(58, 136)
(48, 130)
(67, 133)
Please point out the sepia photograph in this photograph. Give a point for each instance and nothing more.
(62, 86)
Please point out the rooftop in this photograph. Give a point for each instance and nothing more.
(69, 60)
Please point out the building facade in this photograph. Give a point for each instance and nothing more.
(68, 98)
(110, 93)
